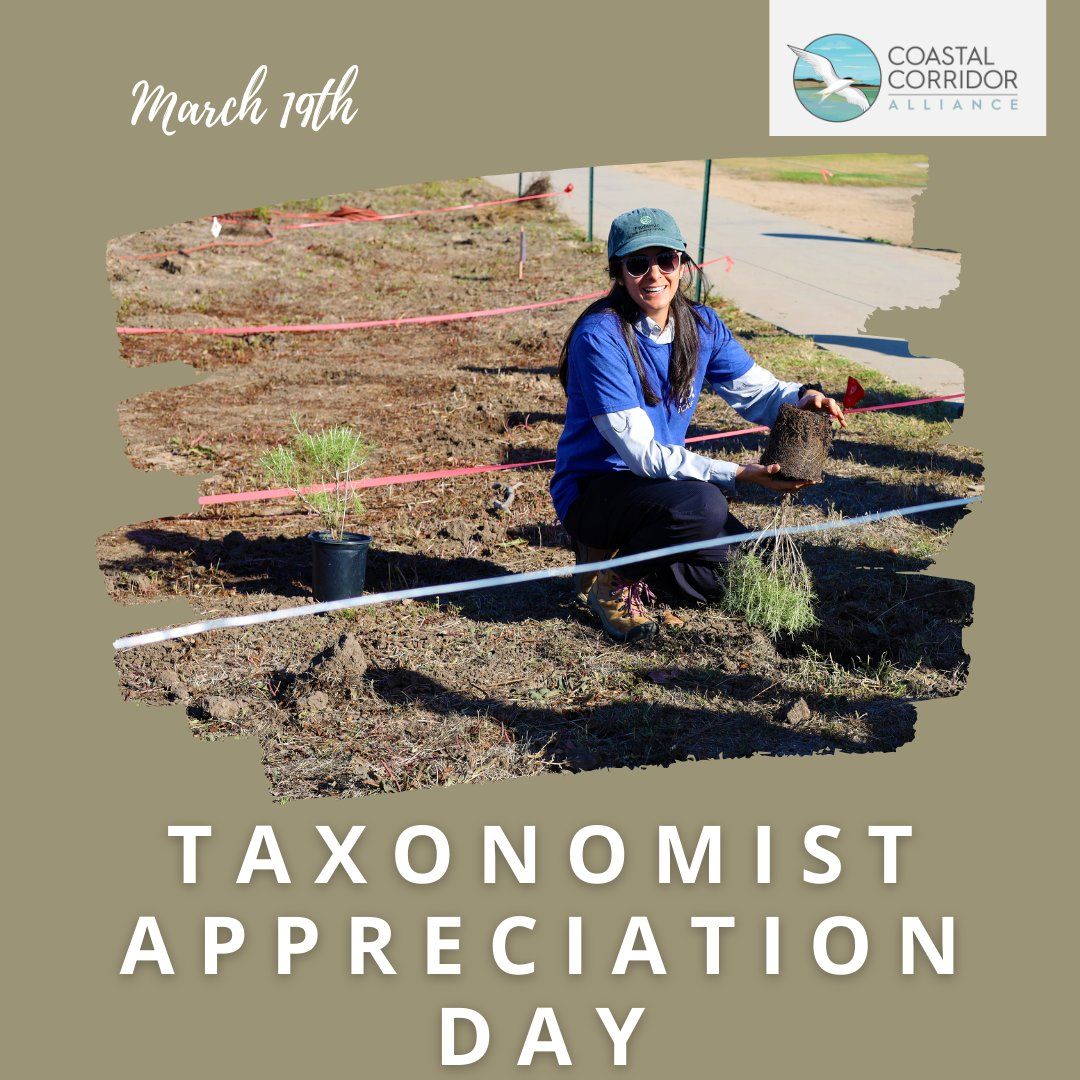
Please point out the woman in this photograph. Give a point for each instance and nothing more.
(633, 366)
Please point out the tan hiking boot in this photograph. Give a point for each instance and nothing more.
(619, 605)
(583, 583)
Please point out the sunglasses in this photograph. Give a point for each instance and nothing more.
(638, 265)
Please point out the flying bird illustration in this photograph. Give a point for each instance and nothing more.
(824, 70)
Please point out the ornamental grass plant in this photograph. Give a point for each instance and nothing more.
(768, 584)
(329, 458)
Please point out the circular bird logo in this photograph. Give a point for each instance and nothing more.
(837, 77)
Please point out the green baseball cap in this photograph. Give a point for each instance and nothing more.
(642, 228)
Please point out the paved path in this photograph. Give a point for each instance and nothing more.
(805, 278)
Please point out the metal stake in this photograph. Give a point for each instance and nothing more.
(704, 222)
(591, 171)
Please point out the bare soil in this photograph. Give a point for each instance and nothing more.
(510, 682)
(877, 213)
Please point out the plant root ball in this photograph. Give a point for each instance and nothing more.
(799, 443)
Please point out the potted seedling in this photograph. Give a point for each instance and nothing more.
(317, 466)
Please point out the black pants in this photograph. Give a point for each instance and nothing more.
(618, 510)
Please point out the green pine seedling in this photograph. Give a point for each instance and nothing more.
(314, 458)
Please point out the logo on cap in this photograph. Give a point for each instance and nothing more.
(644, 220)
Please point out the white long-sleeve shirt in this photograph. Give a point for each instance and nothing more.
(757, 395)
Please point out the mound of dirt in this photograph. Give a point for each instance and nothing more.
(345, 662)
(340, 666)
(221, 709)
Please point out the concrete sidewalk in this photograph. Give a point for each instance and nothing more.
(808, 279)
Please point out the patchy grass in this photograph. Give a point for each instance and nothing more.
(859, 170)
(303, 206)
(511, 682)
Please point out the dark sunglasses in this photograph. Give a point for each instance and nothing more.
(638, 265)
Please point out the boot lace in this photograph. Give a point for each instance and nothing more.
(634, 595)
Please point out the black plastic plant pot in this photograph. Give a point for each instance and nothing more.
(338, 567)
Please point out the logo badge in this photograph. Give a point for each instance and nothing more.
(836, 77)
(644, 220)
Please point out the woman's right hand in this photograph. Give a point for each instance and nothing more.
(765, 476)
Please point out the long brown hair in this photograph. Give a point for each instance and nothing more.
(688, 321)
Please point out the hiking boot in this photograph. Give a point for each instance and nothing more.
(662, 600)
(619, 604)
(583, 583)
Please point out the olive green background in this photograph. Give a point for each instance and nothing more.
(459, 90)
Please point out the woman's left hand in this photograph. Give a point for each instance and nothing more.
(816, 400)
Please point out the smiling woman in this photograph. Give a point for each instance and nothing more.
(633, 366)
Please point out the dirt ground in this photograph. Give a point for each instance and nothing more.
(882, 213)
(509, 682)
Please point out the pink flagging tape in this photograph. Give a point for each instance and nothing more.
(906, 404)
(331, 218)
(356, 485)
(727, 434)
(367, 324)
(476, 470)
(436, 210)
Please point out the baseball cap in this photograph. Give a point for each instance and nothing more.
(642, 228)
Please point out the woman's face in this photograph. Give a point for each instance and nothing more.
(654, 290)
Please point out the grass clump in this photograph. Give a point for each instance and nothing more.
(866, 677)
(768, 584)
(324, 461)
(778, 601)
(306, 205)
(862, 170)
